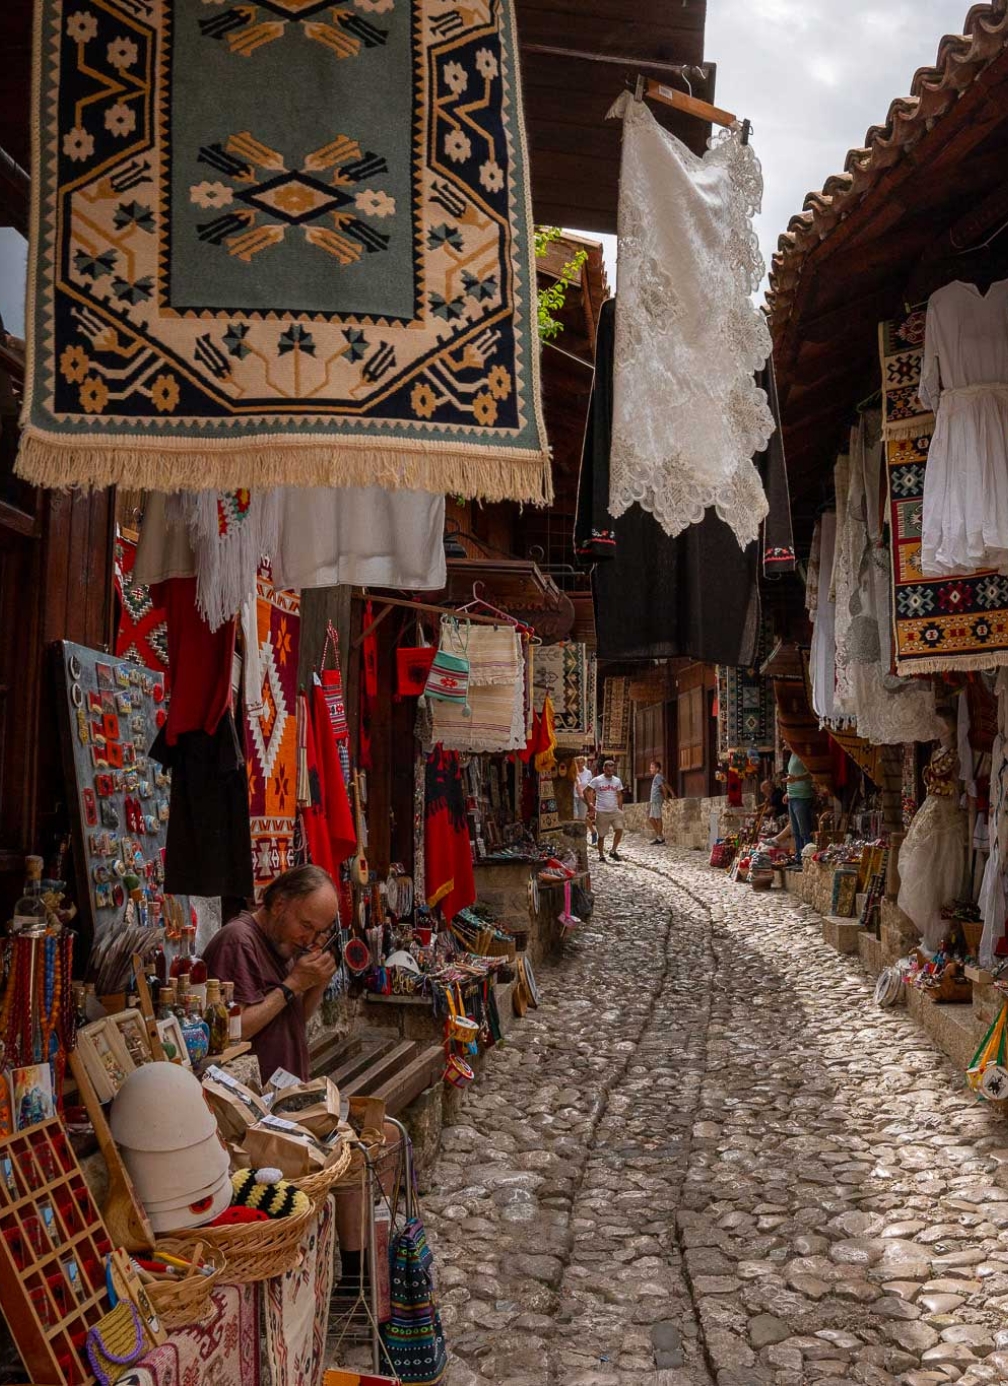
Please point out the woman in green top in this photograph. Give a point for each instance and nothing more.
(801, 797)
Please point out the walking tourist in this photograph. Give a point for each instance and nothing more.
(604, 795)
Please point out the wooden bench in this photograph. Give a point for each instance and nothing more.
(395, 1070)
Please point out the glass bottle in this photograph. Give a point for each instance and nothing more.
(165, 1001)
(234, 1014)
(79, 993)
(216, 1016)
(195, 1030)
(30, 914)
(188, 960)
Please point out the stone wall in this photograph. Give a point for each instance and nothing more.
(687, 821)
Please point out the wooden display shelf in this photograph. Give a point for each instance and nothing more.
(48, 1319)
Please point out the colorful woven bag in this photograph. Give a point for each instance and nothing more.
(413, 1338)
(448, 680)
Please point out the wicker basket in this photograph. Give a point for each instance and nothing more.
(363, 1148)
(254, 1250)
(317, 1186)
(972, 933)
(186, 1300)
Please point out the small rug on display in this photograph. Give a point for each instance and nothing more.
(615, 716)
(223, 1350)
(271, 735)
(142, 636)
(561, 671)
(233, 288)
(745, 705)
(572, 716)
(548, 675)
(940, 624)
(296, 1308)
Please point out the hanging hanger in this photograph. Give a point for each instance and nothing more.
(688, 103)
(873, 398)
(980, 245)
(479, 600)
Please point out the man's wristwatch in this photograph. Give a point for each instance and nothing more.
(288, 995)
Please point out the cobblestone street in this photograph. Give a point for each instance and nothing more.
(709, 1158)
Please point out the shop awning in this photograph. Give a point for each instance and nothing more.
(927, 184)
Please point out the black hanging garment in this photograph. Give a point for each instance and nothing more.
(658, 597)
(209, 844)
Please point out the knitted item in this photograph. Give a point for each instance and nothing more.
(280, 1200)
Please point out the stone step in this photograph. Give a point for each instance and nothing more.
(955, 1029)
(840, 933)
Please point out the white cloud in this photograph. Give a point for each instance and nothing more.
(812, 76)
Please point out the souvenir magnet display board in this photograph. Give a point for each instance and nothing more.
(53, 1246)
(110, 713)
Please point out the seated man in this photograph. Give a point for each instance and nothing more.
(272, 956)
(279, 973)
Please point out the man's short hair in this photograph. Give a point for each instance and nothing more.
(296, 884)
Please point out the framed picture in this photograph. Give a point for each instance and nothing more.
(104, 1054)
(31, 1095)
(131, 1027)
(174, 1044)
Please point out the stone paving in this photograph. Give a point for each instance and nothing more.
(709, 1160)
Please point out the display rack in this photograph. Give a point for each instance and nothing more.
(53, 1249)
(110, 713)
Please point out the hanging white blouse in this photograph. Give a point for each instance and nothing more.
(687, 414)
(964, 379)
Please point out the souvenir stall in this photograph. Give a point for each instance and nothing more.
(887, 308)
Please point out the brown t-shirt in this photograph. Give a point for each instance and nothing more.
(241, 953)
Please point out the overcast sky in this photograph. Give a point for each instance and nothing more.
(812, 75)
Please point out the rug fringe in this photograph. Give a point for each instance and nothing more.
(908, 428)
(168, 464)
(991, 659)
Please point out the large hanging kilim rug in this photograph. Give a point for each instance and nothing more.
(284, 241)
(271, 736)
(946, 623)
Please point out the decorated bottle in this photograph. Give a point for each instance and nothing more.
(195, 1031)
(216, 1017)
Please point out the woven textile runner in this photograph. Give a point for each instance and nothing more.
(296, 1308)
(283, 243)
(224, 1349)
(940, 624)
(271, 737)
(615, 715)
(901, 349)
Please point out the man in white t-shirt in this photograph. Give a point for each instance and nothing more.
(604, 796)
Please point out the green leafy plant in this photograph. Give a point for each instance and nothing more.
(551, 299)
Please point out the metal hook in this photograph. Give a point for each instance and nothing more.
(689, 85)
